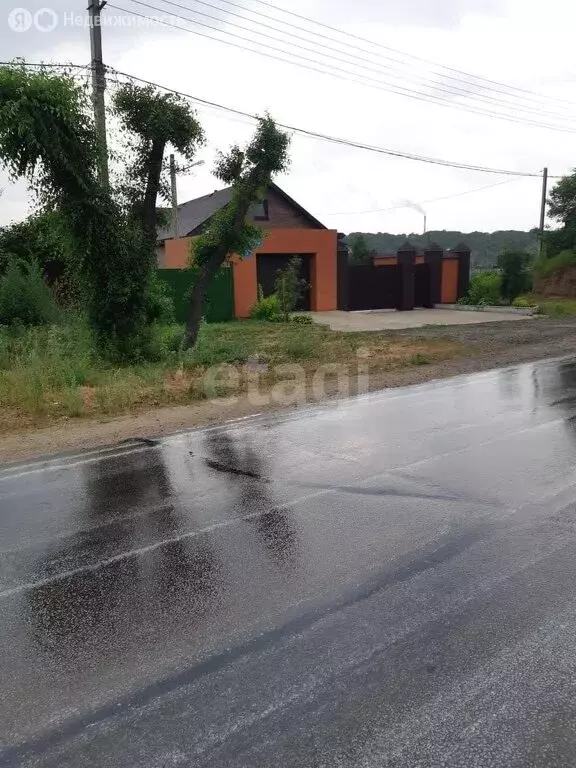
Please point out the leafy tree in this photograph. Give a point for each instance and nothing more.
(485, 246)
(249, 171)
(156, 120)
(562, 208)
(43, 238)
(515, 274)
(562, 200)
(289, 287)
(47, 136)
(359, 251)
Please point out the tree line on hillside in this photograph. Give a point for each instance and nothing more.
(506, 267)
(485, 246)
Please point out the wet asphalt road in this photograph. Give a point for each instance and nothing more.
(385, 582)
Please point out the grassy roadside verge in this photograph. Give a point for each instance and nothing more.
(50, 375)
(553, 306)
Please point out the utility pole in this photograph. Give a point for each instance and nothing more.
(98, 86)
(543, 209)
(174, 196)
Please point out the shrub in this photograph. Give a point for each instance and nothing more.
(266, 308)
(563, 260)
(484, 289)
(302, 319)
(159, 302)
(25, 299)
(523, 302)
(514, 268)
(165, 342)
(289, 287)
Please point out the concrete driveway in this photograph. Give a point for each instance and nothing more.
(391, 319)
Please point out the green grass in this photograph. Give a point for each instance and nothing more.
(419, 359)
(563, 260)
(52, 373)
(552, 306)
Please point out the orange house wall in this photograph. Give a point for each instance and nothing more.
(320, 243)
(177, 253)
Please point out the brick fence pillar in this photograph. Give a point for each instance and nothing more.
(406, 255)
(463, 253)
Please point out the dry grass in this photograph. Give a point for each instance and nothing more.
(49, 375)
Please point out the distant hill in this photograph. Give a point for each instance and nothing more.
(485, 246)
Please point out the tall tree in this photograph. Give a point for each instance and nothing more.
(155, 120)
(249, 171)
(47, 136)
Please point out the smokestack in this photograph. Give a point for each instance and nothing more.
(424, 223)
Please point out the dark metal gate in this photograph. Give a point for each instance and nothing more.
(371, 287)
(422, 286)
(269, 264)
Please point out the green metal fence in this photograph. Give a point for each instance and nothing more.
(219, 302)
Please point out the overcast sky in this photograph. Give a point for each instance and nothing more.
(521, 43)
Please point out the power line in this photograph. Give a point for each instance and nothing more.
(333, 139)
(365, 63)
(410, 55)
(45, 65)
(423, 202)
(294, 129)
(335, 71)
(535, 108)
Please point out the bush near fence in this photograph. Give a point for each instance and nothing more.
(220, 300)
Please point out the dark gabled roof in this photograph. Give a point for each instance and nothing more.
(195, 212)
(298, 207)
